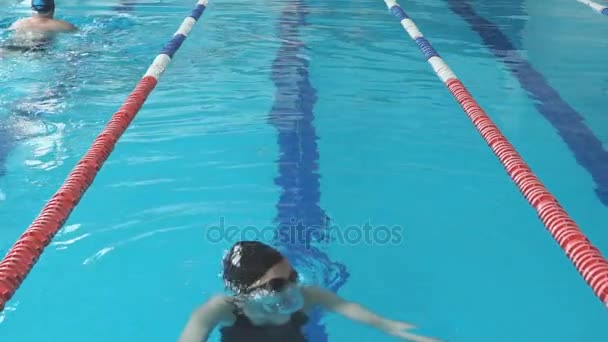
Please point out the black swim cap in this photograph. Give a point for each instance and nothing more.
(246, 262)
(43, 6)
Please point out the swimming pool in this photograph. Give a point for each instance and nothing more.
(249, 128)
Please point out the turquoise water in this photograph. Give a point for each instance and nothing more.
(471, 261)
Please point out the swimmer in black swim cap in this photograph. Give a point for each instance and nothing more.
(267, 303)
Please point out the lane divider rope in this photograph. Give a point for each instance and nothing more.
(22, 256)
(585, 256)
(595, 6)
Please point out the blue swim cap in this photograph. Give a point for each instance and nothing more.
(43, 6)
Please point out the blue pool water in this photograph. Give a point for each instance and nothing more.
(324, 112)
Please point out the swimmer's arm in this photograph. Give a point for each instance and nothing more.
(355, 312)
(67, 27)
(205, 319)
(332, 302)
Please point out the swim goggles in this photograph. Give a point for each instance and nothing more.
(275, 284)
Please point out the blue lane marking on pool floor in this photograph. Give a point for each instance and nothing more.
(300, 219)
(570, 125)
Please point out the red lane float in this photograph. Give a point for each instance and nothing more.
(25, 252)
(587, 259)
(22, 256)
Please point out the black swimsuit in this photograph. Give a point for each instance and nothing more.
(244, 331)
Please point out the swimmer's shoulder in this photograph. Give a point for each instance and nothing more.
(315, 296)
(57, 25)
(310, 294)
(19, 24)
(48, 25)
(65, 26)
(216, 310)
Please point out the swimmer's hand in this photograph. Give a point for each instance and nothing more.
(398, 329)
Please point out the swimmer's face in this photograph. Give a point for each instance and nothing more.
(276, 277)
(275, 293)
(48, 14)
